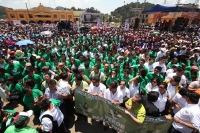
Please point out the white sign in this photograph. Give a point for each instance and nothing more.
(48, 25)
(16, 22)
(126, 26)
(98, 25)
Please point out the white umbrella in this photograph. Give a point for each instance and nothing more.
(46, 33)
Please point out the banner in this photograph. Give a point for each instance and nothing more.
(102, 109)
(126, 26)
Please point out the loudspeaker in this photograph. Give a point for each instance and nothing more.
(137, 21)
(179, 24)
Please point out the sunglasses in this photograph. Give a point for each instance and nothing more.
(154, 82)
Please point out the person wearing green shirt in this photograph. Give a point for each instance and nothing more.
(31, 97)
(21, 124)
(30, 75)
(155, 74)
(3, 75)
(96, 72)
(136, 68)
(130, 60)
(134, 106)
(106, 70)
(15, 89)
(126, 76)
(6, 119)
(44, 63)
(88, 68)
(112, 78)
(152, 54)
(79, 83)
(109, 59)
(174, 61)
(65, 61)
(14, 69)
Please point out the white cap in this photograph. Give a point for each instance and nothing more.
(28, 113)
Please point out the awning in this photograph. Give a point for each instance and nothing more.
(161, 8)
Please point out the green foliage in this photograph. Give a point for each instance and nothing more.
(92, 10)
(2, 12)
(125, 10)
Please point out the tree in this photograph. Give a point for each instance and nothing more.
(73, 8)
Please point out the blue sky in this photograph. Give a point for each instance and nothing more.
(105, 6)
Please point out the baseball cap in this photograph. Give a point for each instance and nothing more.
(195, 68)
(22, 117)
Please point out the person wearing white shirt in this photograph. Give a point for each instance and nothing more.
(96, 88)
(2, 61)
(178, 101)
(161, 63)
(50, 111)
(179, 72)
(162, 99)
(114, 96)
(134, 87)
(63, 83)
(153, 85)
(149, 65)
(172, 87)
(188, 118)
(172, 70)
(183, 50)
(122, 88)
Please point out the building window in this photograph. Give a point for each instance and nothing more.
(12, 15)
(21, 15)
(62, 16)
(30, 15)
(43, 16)
(69, 16)
(55, 16)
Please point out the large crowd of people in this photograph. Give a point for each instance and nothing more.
(147, 72)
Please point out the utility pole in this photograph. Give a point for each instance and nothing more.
(28, 13)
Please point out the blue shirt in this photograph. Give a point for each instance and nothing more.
(53, 95)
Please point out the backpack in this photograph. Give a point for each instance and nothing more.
(55, 128)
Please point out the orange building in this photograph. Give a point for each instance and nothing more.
(39, 14)
(193, 17)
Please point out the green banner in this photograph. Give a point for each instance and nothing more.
(102, 109)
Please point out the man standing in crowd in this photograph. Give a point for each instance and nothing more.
(58, 93)
(188, 118)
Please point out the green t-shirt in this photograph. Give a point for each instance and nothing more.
(136, 69)
(110, 60)
(152, 54)
(131, 62)
(127, 79)
(87, 71)
(15, 88)
(151, 75)
(15, 70)
(106, 71)
(27, 129)
(3, 77)
(36, 78)
(30, 99)
(40, 65)
(109, 80)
